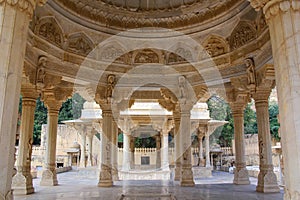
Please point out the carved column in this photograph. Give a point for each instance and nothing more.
(53, 105)
(267, 181)
(176, 118)
(165, 150)
(114, 154)
(186, 178)
(241, 176)
(105, 179)
(126, 152)
(207, 150)
(158, 151)
(82, 132)
(22, 181)
(283, 19)
(90, 136)
(132, 147)
(14, 22)
(201, 134)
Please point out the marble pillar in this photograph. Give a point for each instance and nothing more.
(22, 181)
(207, 150)
(283, 18)
(241, 176)
(82, 132)
(126, 152)
(90, 137)
(114, 152)
(105, 179)
(132, 148)
(200, 139)
(186, 178)
(14, 22)
(158, 151)
(267, 181)
(165, 151)
(49, 177)
(177, 158)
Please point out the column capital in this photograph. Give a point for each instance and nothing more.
(29, 92)
(239, 103)
(27, 6)
(53, 98)
(273, 7)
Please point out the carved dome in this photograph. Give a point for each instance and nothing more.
(147, 13)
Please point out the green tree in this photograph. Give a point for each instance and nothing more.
(40, 118)
(274, 124)
(71, 109)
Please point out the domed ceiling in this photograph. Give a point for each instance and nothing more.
(147, 13)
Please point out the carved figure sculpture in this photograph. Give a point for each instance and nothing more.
(250, 71)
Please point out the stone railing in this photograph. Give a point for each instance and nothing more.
(144, 150)
(227, 151)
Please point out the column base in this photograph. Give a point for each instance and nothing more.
(49, 178)
(177, 172)
(241, 176)
(115, 174)
(291, 195)
(187, 178)
(22, 184)
(8, 196)
(267, 182)
(105, 179)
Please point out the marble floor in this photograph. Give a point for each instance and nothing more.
(73, 186)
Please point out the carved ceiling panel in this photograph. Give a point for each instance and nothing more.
(79, 43)
(49, 29)
(243, 33)
(215, 45)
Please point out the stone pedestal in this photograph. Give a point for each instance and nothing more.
(186, 178)
(14, 21)
(267, 181)
(241, 176)
(105, 179)
(22, 181)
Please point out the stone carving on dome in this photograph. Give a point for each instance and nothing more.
(146, 56)
(180, 55)
(261, 22)
(111, 53)
(215, 46)
(131, 14)
(49, 29)
(79, 43)
(242, 34)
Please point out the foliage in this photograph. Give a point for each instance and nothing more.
(250, 123)
(149, 142)
(40, 118)
(71, 109)
(220, 110)
(274, 124)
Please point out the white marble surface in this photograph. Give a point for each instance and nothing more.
(72, 186)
